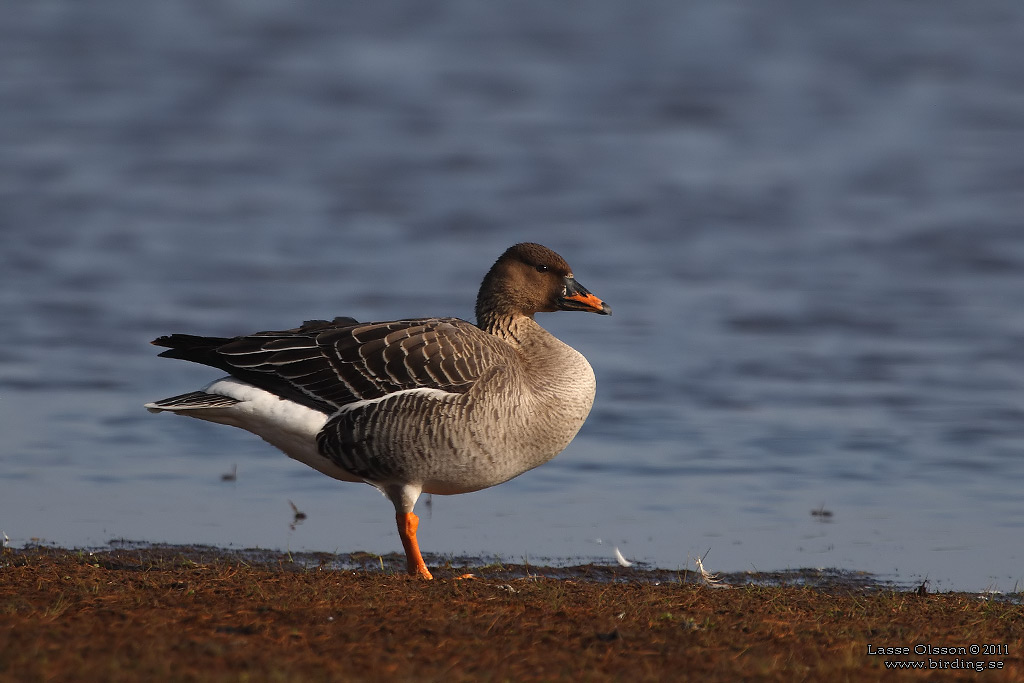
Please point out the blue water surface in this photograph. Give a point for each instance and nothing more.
(807, 220)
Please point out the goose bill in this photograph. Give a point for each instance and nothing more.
(576, 297)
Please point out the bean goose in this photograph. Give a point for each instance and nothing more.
(433, 405)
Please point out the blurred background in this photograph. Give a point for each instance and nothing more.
(807, 219)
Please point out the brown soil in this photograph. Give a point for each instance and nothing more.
(168, 613)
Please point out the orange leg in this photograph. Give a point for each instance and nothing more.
(407, 525)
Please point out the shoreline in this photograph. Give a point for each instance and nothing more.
(198, 613)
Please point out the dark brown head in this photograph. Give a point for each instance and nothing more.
(529, 278)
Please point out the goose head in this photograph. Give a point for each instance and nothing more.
(530, 278)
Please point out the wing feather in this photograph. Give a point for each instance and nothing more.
(327, 365)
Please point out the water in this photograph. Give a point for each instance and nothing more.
(807, 221)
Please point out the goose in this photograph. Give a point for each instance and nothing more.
(425, 405)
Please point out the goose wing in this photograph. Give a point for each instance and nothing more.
(329, 364)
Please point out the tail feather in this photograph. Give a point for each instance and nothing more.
(193, 400)
(176, 340)
(207, 351)
(203, 350)
(193, 347)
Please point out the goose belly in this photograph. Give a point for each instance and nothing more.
(452, 443)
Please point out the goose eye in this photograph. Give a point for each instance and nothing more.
(542, 268)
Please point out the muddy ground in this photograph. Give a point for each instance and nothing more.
(158, 613)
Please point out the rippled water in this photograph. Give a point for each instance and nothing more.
(808, 223)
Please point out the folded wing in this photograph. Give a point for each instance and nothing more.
(327, 365)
